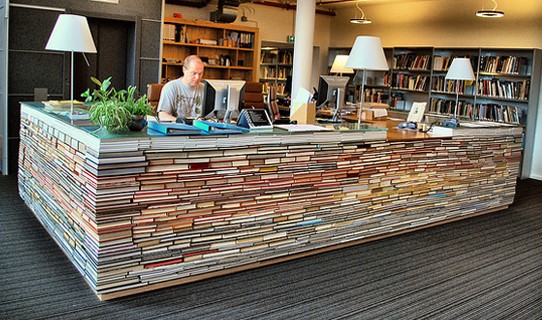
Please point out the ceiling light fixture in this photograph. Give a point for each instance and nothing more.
(493, 13)
(361, 20)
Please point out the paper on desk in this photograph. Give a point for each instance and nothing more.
(302, 127)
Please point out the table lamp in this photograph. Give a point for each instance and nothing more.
(366, 54)
(339, 65)
(71, 33)
(460, 69)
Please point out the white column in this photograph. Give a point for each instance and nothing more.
(304, 36)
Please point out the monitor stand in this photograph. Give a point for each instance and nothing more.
(336, 112)
(230, 110)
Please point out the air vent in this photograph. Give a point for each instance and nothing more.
(226, 12)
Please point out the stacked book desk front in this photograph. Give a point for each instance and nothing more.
(136, 212)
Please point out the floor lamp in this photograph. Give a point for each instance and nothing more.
(71, 33)
(339, 64)
(460, 69)
(366, 54)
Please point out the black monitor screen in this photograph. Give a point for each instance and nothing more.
(222, 98)
(288, 86)
(327, 90)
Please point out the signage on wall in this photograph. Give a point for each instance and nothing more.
(109, 1)
(290, 38)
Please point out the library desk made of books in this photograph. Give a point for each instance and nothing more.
(136, 212)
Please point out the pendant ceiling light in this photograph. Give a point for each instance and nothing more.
(361, 20)
(493, 13)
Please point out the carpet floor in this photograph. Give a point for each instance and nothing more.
(485, 267)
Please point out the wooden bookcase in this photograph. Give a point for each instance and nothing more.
(276, 64)
(228, 51)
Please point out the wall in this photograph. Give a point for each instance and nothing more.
(443, 23)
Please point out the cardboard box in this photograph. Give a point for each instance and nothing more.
(304, 113)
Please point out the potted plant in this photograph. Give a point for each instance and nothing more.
(117, 111)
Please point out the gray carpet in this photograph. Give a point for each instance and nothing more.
(487, 267)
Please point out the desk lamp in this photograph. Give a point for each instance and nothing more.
(339, 65)
(460, 69)
(366, 54)
(71, 33)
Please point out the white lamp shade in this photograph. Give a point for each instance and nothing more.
(367, 54)
(71, 33)
(460, 69)
(339, 64)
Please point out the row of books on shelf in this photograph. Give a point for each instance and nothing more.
(518, 90)
(411, 61)
(375, 95)
(272, 72)
(268, 57)
(442, 63)
(440, 84)
(241, 39)
(286, 57)
(491, 112)
(495, 88)
(503, 64)
(272, 57)
(178, 33)
(410, 82)
(280, 87)
(488, 64)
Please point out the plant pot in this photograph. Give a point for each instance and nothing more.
(138, 123)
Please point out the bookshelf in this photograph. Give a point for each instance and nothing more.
(228, 51)
(507, 79)
(276, 64)
(410, 76)
(377, 85)
(443, 92)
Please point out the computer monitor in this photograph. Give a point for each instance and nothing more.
(222, 99)
(331, 93)
(288, 86)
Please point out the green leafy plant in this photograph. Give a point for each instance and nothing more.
(116, 110)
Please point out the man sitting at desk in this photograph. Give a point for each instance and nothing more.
(182, 98)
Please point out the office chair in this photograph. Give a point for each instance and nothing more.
(153, 93)
(253, 97)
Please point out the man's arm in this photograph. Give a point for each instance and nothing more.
(164, 116)
(166, 104)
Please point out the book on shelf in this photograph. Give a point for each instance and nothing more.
(168, 32)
